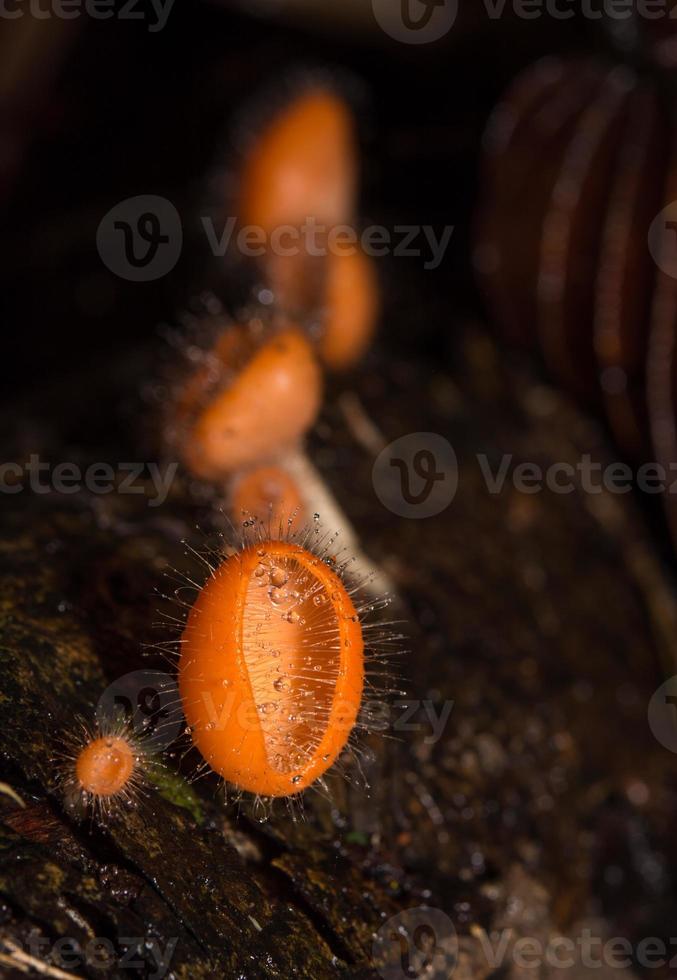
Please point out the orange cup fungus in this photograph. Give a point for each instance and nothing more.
(102, 769)
(342, 287)
(271, 669)
(105, 766)
(303, 165)
(269, 494)
(248, 402)
(352, 306)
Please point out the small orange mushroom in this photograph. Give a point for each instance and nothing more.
(269, 494)
(256, 406)
(105, 766)
(298, 282)
(271, 670)
(351, 310)
(302, 166)
(102, 769)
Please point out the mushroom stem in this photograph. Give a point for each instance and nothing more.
(320, 499)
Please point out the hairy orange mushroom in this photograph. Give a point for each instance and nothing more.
(351, 309)
(303, 165)
(252, 402)
(269, 494)
(271, 670)
(105, 765)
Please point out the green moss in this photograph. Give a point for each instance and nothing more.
(176, 790)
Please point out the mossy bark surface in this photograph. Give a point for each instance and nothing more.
(545, 618)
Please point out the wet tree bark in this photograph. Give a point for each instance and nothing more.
(545, 805)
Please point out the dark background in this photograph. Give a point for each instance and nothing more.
(93, 113)
(100, 111)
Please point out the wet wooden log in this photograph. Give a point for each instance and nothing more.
(544, 806)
